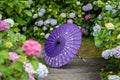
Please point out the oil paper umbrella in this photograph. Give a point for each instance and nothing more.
(62, 45)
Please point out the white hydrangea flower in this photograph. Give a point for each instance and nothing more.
(35, 16)
(44, 28)
(35, 27)
(0, 40)
(42, 34)
(32, 10)
(57, 26)
(42, 71)
(109, 26)
(100, 17)
(113, 77)
(51, 29)
(0, 16)
(70, 21)
(118, 6)
(63, 14)
(118, 36)
(10, 22)
(19, 34)
(78, 3)
(47, 35)
(28, 68)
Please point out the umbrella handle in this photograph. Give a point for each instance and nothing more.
(81, 58)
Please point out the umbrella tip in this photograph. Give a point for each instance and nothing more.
(84, 60)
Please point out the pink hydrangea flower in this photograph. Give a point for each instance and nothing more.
(87, 17)
(3, 25)
(31, 47)
(83, 30)
(31, 77)
(0, 74)
(13, 56)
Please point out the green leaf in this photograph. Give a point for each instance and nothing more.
(25, 76)
(34, 61)
(2, 34)
(4, 54)
(26, 4)
(8, 71)
(19, 20)
(11, 4)
(2, 69)
(29, 13)
(16, 29)
(22, 39)
(19, 50)
(11, 78)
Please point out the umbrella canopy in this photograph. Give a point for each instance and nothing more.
(62, 45)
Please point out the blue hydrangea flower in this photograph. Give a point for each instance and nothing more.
(24, 28)
(72, 15)
(42, 71)
(106, 54)
(108, 7)
(30, 1)
(114, 11)
(117, 52)
(87, 7)
(53, 22)
(40, 22)
(47, 21)
(40, 14)
(95, 29)
(42, 10)
(113, 77)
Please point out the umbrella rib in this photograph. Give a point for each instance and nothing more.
(74, 34)
(73, 40)
(73, 44)
(68, 53)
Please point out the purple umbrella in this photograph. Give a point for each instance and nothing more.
(62, 45)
